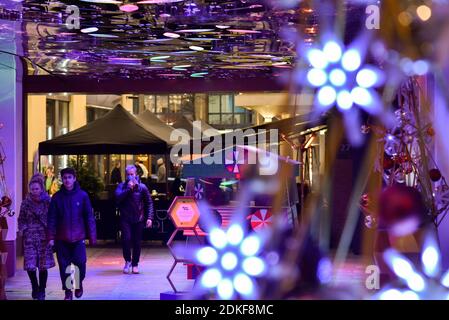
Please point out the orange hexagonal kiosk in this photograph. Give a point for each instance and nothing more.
(185, 214)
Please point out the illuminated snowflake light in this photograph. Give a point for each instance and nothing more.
(232, 263)
(341, 79)
(428, 284)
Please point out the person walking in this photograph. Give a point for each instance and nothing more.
(116, 175)
(37, 254)
(136, 212)
(51, 183)
(144, 177)
(139, 169)
(70, 222)
(161, 171)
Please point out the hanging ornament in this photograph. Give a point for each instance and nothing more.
(435, 175)
(370, 222)
(399, 176)
(441, 196)
(402, 118)
(401, 209)
(388, 162)
(365, 129)
(392, 145)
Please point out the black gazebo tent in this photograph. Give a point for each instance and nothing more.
(286, 128)
(156, 126)
(159, 128)
(181, 122)
(118, 132)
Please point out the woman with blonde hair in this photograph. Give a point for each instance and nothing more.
(50, 180)
(33, 225)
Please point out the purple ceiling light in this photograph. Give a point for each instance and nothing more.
(222, 37)
(158, 1)
(128, 7)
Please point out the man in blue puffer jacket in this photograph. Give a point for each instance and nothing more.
(70, 222)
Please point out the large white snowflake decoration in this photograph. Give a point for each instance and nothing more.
(232, 263)
(417, 283)
(341, 79)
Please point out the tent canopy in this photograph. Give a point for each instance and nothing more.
(287, 127)
(232, 160)
(293, 126)
(181, 122)
(156, 126)
(118, 132)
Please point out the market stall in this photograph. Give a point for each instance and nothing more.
(219, 184)
(181, 122)
(155, 125)
(302, 138)
(118, 132)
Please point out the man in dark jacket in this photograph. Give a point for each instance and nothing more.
(116, 175)
(136, 212)
(70, 222)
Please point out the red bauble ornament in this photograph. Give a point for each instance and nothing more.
(435, 175)
(399, 203)
(388, 163)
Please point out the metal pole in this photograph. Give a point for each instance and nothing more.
(301, 163)
(167, 164)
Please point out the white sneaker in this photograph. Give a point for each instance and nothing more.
(127, 267)
(135, 270)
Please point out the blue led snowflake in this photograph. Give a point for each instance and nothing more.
(232, 263)
(341, 79)
(426, 284)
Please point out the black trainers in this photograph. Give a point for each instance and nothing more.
(41, 294)
(79, 292)
(35, 293)
(68, 295)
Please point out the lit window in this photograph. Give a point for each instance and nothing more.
(224, 114)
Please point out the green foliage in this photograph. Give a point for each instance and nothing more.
(86, 176)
